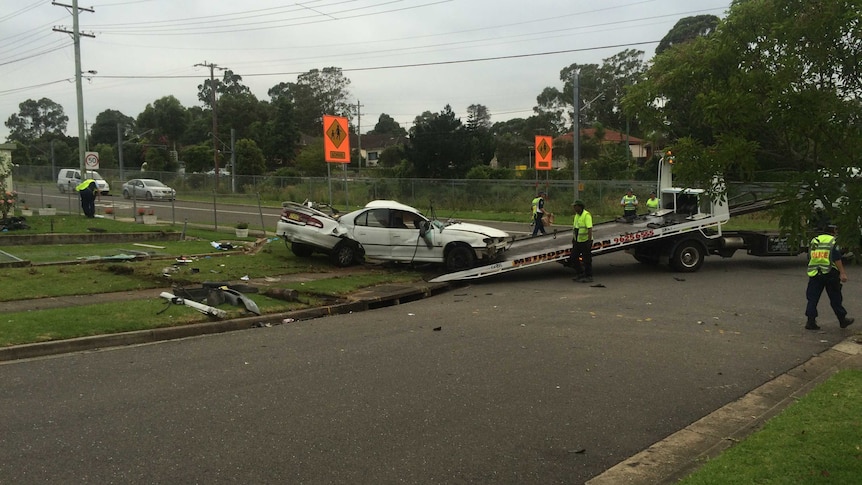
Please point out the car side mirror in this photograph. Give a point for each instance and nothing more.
(425, 229)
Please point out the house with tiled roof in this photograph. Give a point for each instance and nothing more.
(639, 148)
(373, 146)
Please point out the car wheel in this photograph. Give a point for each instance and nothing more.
(688, 257)
(126, 194)
(301, 250)
(149, 196)
(460, 257)
(343, 254)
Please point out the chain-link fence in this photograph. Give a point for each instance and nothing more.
(350, 190)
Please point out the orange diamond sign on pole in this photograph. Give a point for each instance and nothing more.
(544, 148)
(336, 141)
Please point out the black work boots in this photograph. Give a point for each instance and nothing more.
(843, 322)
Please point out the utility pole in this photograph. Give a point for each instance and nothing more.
(576, 129)
(359, 131)
(212, 68)
(232, 161)
(120, 150)
(79, 89)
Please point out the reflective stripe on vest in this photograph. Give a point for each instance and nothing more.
(820, 253)
(629, 202)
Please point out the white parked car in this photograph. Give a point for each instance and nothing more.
(69, 178)
(389, 231)
(149, 189)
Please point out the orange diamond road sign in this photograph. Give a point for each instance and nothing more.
(336, 142)
(544, 148)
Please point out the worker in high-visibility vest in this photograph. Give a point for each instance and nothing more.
(629, 203)
(538, 206)
(582, 243)
(88, 191)
(825, 271)
(652, 204)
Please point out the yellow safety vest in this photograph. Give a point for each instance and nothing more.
(820, 253)
(583, 221)
(652, 204)
(536, 205)
(629, 202)
(83, 185)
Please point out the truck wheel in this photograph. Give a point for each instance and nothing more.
(688, 257)
(343, 254)
(301, 250)
(460, 257)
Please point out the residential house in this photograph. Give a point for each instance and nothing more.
(640, 149)
(373, 145)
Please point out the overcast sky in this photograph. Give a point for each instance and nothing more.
(403, 57)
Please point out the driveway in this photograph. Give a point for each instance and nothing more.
(522, 378)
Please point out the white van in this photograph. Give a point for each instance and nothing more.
(69, 178)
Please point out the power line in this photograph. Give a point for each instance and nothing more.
(184, 30)
(25, 88)
(21, 11)
(401, 66)
(42, 53)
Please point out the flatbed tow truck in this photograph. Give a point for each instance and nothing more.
(682, 232)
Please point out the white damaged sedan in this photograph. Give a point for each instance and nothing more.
(389, 231)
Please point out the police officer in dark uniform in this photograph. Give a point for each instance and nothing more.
(88, 191)
(825, 271)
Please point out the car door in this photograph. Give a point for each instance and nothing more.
(371, 229)
(406, 240)
(140, 189)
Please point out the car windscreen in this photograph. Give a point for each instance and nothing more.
(153, 183)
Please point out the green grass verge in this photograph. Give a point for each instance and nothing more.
(816, 440)
(106, 318)
(75, 224)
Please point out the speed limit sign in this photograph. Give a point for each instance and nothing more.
(91, 160)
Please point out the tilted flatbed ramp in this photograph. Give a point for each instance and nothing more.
(608, 237)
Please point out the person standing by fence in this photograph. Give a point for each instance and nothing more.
(88, 191)
(538, 213)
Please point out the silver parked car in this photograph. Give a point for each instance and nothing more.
(389, 231)
(149, 189)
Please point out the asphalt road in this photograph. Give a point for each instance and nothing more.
(522, 378)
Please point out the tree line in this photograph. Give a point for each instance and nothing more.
(772, 88)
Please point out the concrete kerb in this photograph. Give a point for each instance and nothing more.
(681, 453)
(375, 297)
